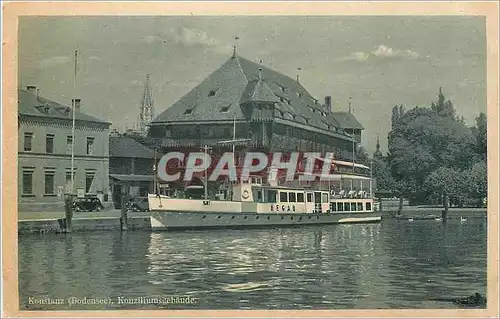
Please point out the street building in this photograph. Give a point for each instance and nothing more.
(44, 152)
(130, 167)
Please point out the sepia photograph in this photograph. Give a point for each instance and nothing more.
(235, 161)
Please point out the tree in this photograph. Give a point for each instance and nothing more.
(426, 139)
(480, 132)
(443, 107)
(382, 174)
(478, 181)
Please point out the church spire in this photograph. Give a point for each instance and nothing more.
(146, 113)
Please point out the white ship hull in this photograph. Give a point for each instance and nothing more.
(162, 220)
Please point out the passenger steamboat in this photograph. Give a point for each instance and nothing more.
(256, 202)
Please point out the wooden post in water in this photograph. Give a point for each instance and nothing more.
(444, 214)
(124, 218)
(68, 212)
(400, 208)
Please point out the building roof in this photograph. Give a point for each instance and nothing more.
(258, 91)
(124, 146)
(218, 98)
(347, 120)
(32, 105)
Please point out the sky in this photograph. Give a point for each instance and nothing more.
(378, 62)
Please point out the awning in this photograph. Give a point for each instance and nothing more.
(344, 163)
(132, 178)
(337, 177)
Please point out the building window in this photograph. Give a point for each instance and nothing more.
(90, 145)
(89, 179)
(49, 181)
(28, 181)
(49, 143)
(309, 197)
(292, 198)
(69, 144)
(168, 132)
(28, 141)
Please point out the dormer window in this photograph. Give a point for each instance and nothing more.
(188, 111)
(283, 89)
(282, 99)
(212, 93)
(225, 109)
(288, 102)
(299, 95)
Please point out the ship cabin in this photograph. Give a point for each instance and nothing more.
(281, 199)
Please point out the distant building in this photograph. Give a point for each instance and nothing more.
(130, 167)
(44, 152)
(271, 109)
(378, 153)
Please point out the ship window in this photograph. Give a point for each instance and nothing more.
(347, 207)
(309, 197)
(300, 197)
(324, 198)
(340, 207)
(283, 197)
(360, 206)
(271, 196)
(292, 198)
(368, 206)
(353, 207)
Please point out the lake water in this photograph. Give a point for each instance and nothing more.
(394, 264)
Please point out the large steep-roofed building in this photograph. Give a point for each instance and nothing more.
(271, 109)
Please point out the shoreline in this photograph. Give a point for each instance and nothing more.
(111, 220)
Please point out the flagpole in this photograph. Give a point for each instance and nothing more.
(73, 105)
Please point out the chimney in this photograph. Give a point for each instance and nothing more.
(78, 103)
(31, 89)
(328, 103)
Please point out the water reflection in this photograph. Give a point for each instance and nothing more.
(388, 265)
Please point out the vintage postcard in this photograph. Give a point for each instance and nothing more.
(250, 159)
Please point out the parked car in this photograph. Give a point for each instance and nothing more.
(87, 204)
(138, 204)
